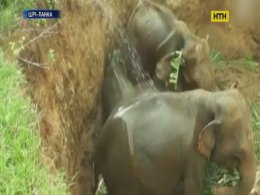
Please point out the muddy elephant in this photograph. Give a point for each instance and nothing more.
(151, 143)
(157, 34)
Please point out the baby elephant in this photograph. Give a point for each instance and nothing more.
(157, 34)
(152, 143)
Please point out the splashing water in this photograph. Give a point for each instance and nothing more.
(143, 79)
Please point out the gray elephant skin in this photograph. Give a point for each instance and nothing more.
(156, 34)
(150, 144)
(118, 85)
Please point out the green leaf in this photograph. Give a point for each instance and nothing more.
(172, 81)
(175, 64)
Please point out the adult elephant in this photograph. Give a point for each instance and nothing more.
(157, 34)
(151, 143)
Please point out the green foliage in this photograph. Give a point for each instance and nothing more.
(51, 3)
(176, 64)
(217, 176)
(20, 167)
(41, 22)
(17, 47)
(248, 63)
(255, 113)
(221, 61)
(51, 56)
(218, 59)
(101, 189)
(10, 11)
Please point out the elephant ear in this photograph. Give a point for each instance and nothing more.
(207, 138)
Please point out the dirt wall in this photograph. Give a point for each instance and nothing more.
(67, 91)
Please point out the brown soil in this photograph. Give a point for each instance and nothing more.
(234, 39)
(68, 93)
(247, 81)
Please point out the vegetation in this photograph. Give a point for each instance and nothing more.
(10, 12)
(255, 110)
(175, 65)
(20, 167)
(221, 61)
(217, 58)
(22, 171)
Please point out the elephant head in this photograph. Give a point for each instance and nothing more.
(228, 138)
(196, 71)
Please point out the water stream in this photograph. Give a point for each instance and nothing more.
(142, 78)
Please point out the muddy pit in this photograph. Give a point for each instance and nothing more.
(67, 91)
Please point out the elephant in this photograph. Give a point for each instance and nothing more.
(117, 84)
(152, 143)
(157, 34)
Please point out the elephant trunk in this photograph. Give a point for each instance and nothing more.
(247, 171)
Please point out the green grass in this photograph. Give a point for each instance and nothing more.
(10, 12)
(248, 63)
(217, 176)
(219, 60)
(20, 169)
(255, 110)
